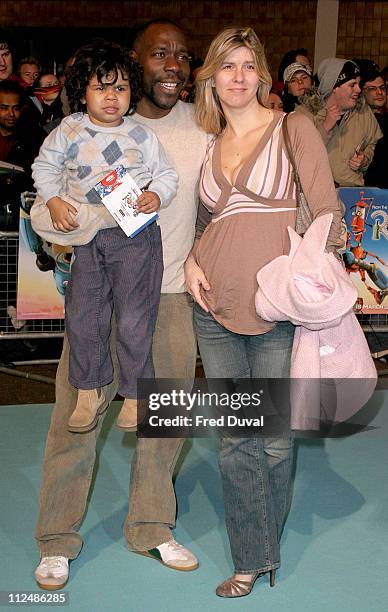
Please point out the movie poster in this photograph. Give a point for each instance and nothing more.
(43, 272)
(366, 253)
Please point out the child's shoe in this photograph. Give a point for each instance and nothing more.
(128, 417)
(91, 403)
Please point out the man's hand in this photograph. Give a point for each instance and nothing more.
(332, 116)
(148, 202)
(62, 214)
(357, 161)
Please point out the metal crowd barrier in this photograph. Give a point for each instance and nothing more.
(10, 327)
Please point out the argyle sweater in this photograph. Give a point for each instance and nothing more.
(78, 154)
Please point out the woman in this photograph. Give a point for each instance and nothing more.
(47, 105)
(248, 200)
(275, 99)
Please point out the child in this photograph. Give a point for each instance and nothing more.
(109, 269)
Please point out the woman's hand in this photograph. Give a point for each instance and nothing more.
(62, 214)
(195, 279)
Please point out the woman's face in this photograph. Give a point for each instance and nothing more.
(49, 80)
(236, 80)
(299, 82)
(275, 101)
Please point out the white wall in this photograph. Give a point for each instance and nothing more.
(326, 30)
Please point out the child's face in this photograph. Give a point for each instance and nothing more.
(107, 102)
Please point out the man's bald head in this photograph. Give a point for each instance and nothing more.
(141, 30)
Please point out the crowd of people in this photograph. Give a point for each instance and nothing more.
(36, 102)
(230, 147)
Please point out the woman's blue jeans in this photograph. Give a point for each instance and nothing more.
(256, 471)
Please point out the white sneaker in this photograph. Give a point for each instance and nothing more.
(172, 555)
(52, 573)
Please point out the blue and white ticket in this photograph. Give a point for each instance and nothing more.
(119, 192)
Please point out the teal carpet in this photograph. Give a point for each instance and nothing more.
(334, 547)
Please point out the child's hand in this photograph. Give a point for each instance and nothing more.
(62, 214)
(148, 202)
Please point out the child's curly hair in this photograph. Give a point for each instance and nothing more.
(101, 58)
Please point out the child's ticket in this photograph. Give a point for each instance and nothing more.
(119, 192)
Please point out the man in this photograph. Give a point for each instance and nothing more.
(10, 111)
(5, 58)
(28, 71)
(375, 94)
(297, 79)
(161, 49)
(299, 56)
(346, 124)
(18, 144)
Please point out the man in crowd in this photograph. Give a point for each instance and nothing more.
(18, 145)
(28, 71)
(5, 58)
(346, 123)
(375, 94)
(161, 49)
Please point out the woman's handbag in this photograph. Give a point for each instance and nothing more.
(304, 217)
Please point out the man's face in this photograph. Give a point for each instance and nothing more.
(375, 93)
(5, 62)
(29, 73)
(163, 54)
(9, 112)
(347, 94)
(299, 82)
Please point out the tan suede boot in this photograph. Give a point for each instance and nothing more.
(91, 403)
(132, 414)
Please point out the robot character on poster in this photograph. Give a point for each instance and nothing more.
(366, 252)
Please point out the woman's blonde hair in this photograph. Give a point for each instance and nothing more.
(209, 113)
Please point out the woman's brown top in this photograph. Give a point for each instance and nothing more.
(243, 226)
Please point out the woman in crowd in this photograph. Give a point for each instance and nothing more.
(248, 200)
(275, 99)
(47, 103)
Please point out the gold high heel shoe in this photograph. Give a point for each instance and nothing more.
(239, 588)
